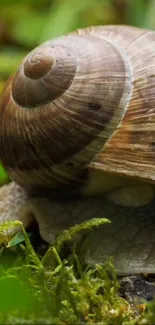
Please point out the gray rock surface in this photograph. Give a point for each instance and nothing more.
(136, 289)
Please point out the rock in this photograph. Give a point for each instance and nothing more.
(136, 289)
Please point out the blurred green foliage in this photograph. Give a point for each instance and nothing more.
(24, 24)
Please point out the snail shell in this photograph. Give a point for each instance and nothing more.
(80, 103)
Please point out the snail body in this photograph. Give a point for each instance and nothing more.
(79, 114)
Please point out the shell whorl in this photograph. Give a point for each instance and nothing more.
(45, 74)
(75, 95)
(38, 63)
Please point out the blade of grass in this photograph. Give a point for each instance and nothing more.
(64, 17)
(149, 21)
(135, 12)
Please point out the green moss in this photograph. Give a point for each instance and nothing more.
(51, 289)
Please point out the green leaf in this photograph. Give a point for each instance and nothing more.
(135, 12)
(15, 295)
(17, 239)
(149, 21)
(3, 175)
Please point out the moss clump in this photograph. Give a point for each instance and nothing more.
(51, 290)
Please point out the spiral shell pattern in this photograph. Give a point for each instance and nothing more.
(59, 109)
(42, 77)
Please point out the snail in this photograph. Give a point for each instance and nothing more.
(77, 131)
